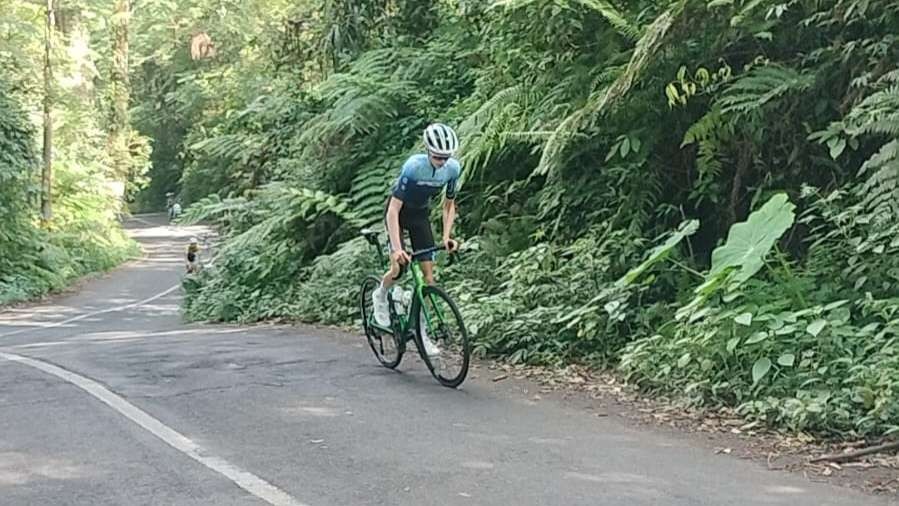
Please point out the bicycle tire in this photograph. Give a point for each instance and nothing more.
(465, 344)
(376, 337)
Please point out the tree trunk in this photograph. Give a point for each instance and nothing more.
(744, 163)
(119, 131)
(47, 172)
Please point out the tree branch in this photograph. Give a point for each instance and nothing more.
(843, 457)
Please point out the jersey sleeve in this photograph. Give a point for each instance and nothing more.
(405, 182)
(452, 184)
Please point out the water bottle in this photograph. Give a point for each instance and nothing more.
(407, 300)
(399, 300)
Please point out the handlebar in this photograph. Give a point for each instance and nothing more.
(427, 251)
(434, 249)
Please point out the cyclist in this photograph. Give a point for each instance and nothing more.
(193, 256)
(423, 176)
(169, 203)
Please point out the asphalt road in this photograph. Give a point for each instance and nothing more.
(108, 398)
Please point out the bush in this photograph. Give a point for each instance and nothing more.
(799, 347)
(536, 306)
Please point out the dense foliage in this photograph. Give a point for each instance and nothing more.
(709, 206)
(84, 234)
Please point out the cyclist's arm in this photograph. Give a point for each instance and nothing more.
(393, 222)
(449, 216)
(449, 206)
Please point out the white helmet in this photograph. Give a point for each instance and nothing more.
(193, 240)
(441, 139)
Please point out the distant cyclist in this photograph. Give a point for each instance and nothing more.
(423, 176)
(169, 203)
(193, 256)
(176, 211)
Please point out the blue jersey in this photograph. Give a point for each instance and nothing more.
(419, 181)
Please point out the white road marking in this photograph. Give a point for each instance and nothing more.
(94, 313)
(132, 338)
(243, 479)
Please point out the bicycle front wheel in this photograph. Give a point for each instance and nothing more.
(383, 344)
(440, 321)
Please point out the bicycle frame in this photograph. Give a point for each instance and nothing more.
(405, 322)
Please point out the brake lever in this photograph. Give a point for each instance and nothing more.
(452, 258)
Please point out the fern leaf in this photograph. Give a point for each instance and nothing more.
(606, 10)
(369, 193)
(570, 128)
(880, 191)
(214, 208)
(485, 130)
(614, 16)
(760, 86)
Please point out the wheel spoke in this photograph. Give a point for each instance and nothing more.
(383, 343)
(442, 324)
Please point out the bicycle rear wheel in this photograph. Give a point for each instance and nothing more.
(440, 320)
(384, 345)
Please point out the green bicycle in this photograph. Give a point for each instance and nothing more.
(426, 309)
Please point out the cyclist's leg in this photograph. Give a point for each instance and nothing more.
(427, 270)
(380, 303)
(395, 269)
(422, 237)
(390, 277)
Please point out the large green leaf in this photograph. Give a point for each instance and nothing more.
(787, 360)
(750, 241)
(685, 229)
(743, 255)
(744, 319)
(816, 327)
(760, 369)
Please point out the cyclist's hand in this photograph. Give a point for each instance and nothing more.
(452, 245)
(401, 257)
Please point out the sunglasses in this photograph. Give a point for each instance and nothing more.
(440, 158)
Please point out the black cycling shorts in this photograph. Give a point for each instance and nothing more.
(417, 222)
